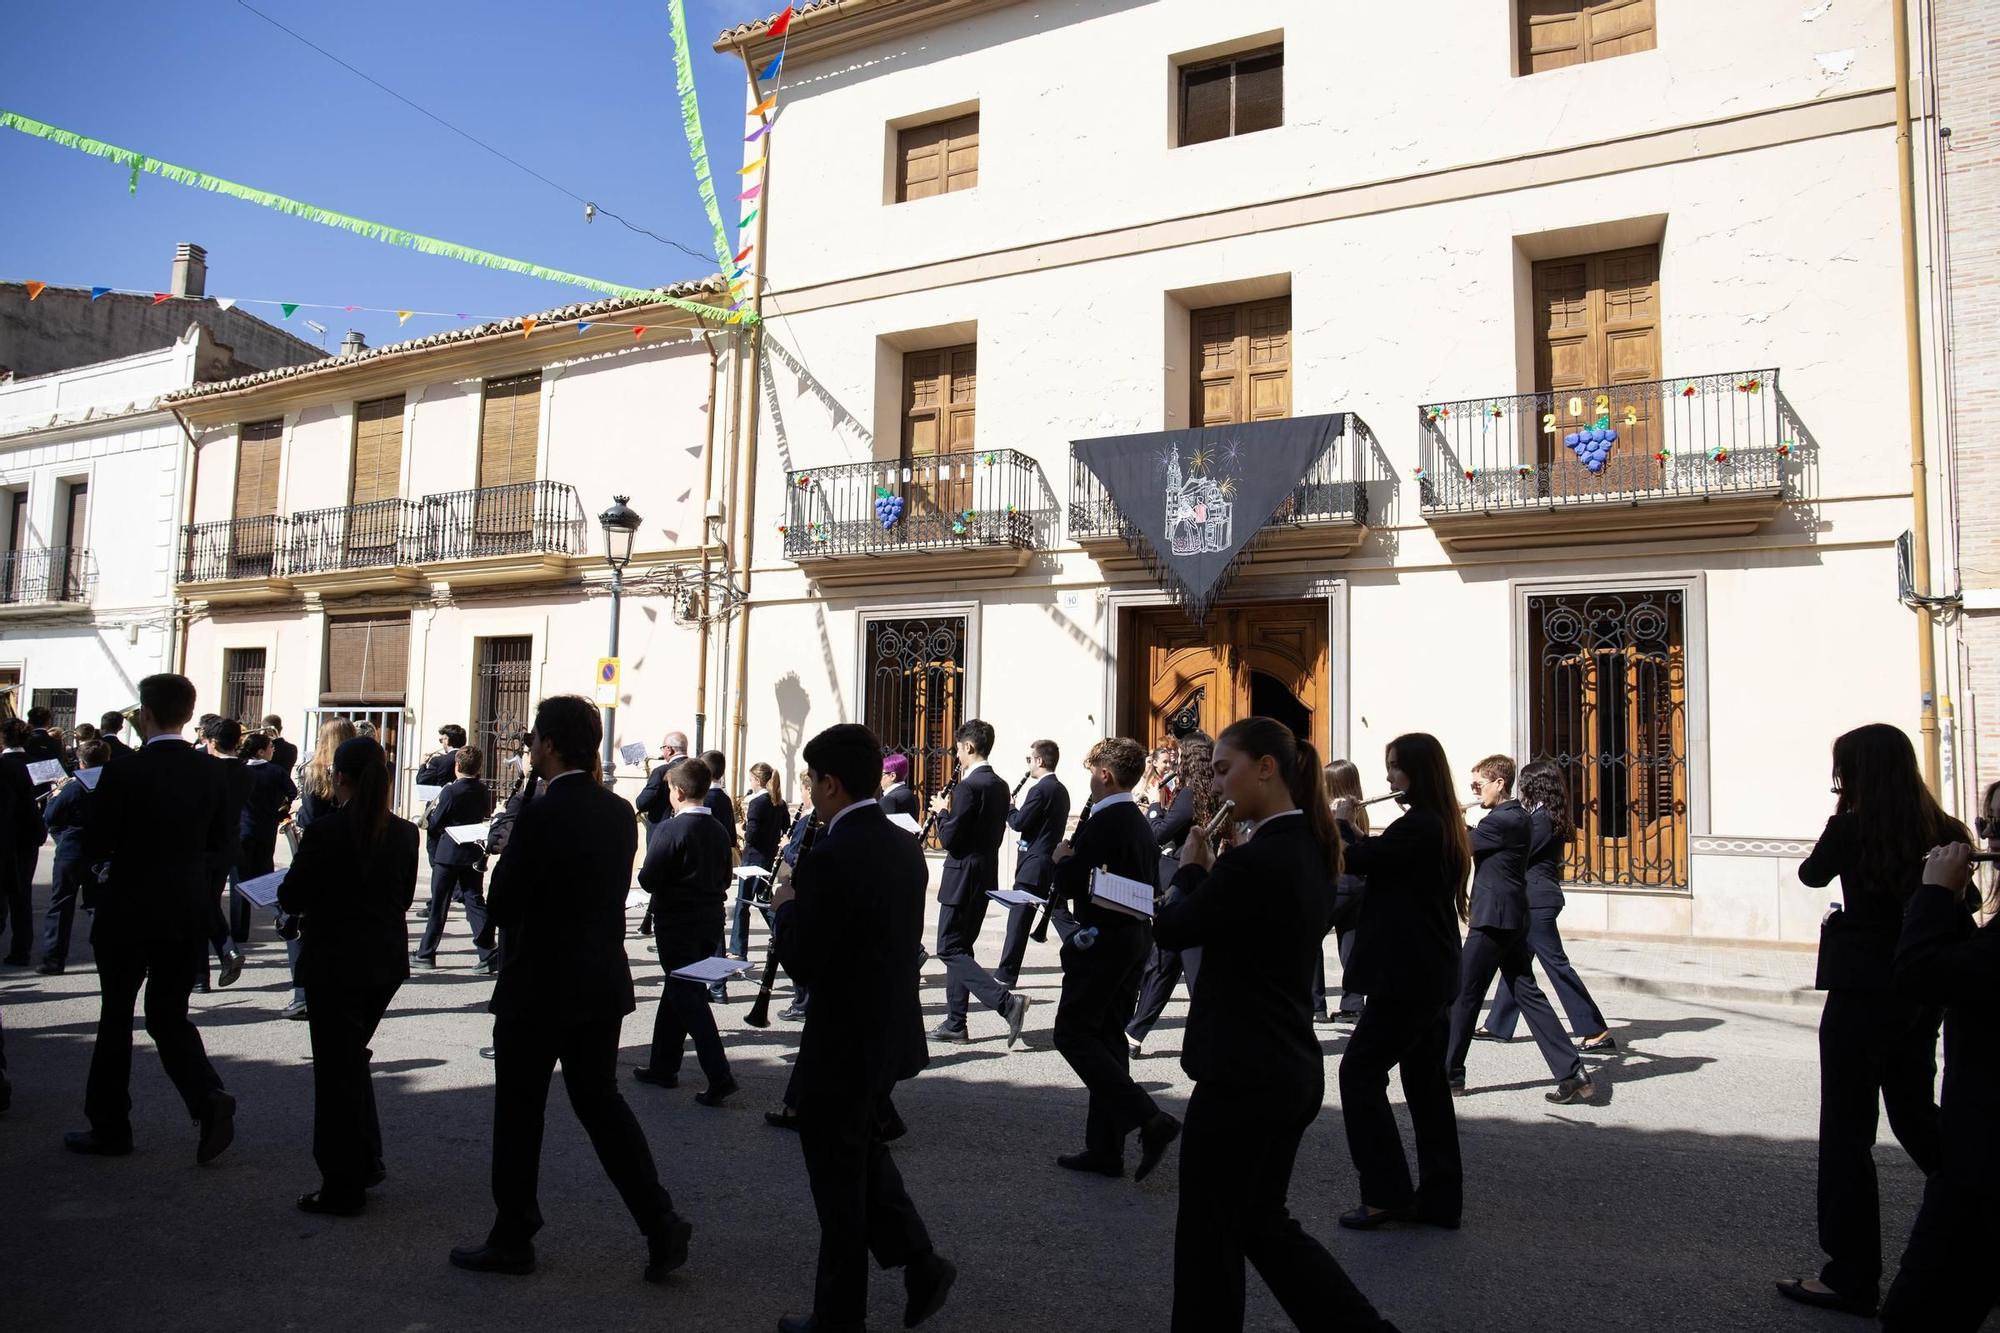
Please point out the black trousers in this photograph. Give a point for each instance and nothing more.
(683, 1013)
(1156, 986)
(1100, 986)
(19, 903)
(467, 884)
(219, 939)
(239, 906)
(1238, 1146)
(958, 932)
(347, 1133)
(1407, 1033)
(60, 919)
(1350, 1001)
(1489, 950)
(1946, 1283)
(1871, 1044)
(1585, 1018)
(859, 1197)
(166, 969)
(1014, 950)
(525, 1055)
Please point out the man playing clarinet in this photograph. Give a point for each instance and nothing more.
(1039, 821)
(972, 822)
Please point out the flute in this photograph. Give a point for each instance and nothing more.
(1377, 800)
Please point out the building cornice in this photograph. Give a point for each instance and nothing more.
(14, 437)
(832, 27)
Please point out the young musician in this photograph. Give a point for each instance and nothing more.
(897, 798)
(222, 737)
(350, 885)
(315, 802)
(1101, 983)
(1406, 961)
(283, 753)
(687, 874)
(1038, 821)
(1498, 938)
(972, 822)
(437, 769)
(160, 824)
(68, 816)
(24, 846)
(1258, 913)
(1877, 1042)
(458, 869)
(564, 990)
(764, 822)
(108, 728)
(654, 802)
(1343, 779)
(847, 925)
(267, 800)
(716, 798)
(1192, 803)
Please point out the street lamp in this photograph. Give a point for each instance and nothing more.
(621, 528)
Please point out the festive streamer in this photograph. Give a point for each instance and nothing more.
(744, 224)
(96, 292)
(771, 70)
(782, 22)
(429, 245)
(289, 307)
(767, 105)
(752, 168)
(691, 125)
(752, 192)
(758, 133)
(35, 289)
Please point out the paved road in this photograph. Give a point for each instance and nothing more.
(1670, 1204)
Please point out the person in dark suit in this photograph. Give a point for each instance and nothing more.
(654, 802)
(1406, 961)
(315, 803)
(221, 737)
(972, 821)
(266, 803)
(1259, 914)
(161, 823)
(283, 753)
(68, 816)
(458, 869)
(23, 847)
(44, 742)
(717, 797)
(1038, 823)
(1877, 1042)
(350, 885)
(1946, 1283)
(108, 728)
(897, 797)
(1190, 804)
(1546, 795)
(1498, 938)
(848, 924)
(1342, 779)
(686, 873)
(564, 990)
(1101, 982)
(438, 769)
(765, 819)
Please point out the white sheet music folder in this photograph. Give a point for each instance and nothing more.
(262, 890)
(752, 872)
(47, 770)
(464, 833)
(425, 792)
(712, 969)
(905, 823)
(1014, 897)
(1131, 896)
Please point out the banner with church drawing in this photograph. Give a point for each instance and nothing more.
(1195, 500)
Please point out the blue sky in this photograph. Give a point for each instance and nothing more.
(582, 92)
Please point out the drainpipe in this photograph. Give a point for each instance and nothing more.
(176, 634)
(746, 478)
(707, 541)
(1920, 525)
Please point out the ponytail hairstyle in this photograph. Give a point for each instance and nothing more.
(1344, 779)
(366, 769)
(1298, 763)
(1198, 773)
(1427, 775)
(767, 782)
(1542, 785)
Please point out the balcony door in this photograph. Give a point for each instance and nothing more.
(75, 540)
(1262, 659)
(17, 546)
(252, 537)
(374, 520)
(940, 393)
(914, 694)
(1242, 359)
(503, 517)
(1597, 329)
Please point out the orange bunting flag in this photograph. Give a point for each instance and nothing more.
(751, 169)
(161, 298)
(782, 22)
(765, 106)
(35, 289)
(528, 326)
(638, 332)
(403, 316)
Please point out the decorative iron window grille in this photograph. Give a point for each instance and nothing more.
(914, 694)
(61, 704)
(504, 687)
(243, 685)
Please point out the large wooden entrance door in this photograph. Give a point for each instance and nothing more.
(1270, 658)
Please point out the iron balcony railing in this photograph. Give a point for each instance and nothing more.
(363, 536)
(53, 574)
(994, 497)
(526, 518)
(1686, 438)
(1323, 495)
(232, 548)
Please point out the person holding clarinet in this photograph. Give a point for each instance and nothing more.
(686, 874)
(1038, 822)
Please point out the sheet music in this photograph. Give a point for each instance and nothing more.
(751, 872)
(1131, 896)
(711, 969)
(906, 823)
(426, 793)
(263, 890)
(46, 770)
(1014, 897)
(633, 752)
(467, 833)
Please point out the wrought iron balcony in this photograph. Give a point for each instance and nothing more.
(994, 500)
(526, 518)
(62, 575)
(1716, 448)
(374, 535)
(233, 549)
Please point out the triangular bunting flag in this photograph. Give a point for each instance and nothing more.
(35, 289)
(750, 193)
(782, 22)
(403, 316)
(751, 169)
(758, 133)
(463, 315)
(96, 292)
(225, 302)
(766, 105)
(528, 325)
(582, 324)
(161, 298)
(743, 224)
(741, 255)
(771, 70)
(740, 304)
(288, 307)
(638, 332)
(350, 309)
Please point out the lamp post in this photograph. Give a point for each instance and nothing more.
(621, 526)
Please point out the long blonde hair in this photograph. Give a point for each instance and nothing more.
(1344, 779)
(319, 771)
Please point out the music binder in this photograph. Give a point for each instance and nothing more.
(1131, 896)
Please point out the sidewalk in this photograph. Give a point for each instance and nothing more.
(1693, 970)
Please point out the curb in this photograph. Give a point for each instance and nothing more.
(1703, 990)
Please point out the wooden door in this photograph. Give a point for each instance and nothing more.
(1178, 676)
(1597, 356)
(1242, 356)
(940, 410)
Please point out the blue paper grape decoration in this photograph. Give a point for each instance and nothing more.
(1592, 446)
(888, 509)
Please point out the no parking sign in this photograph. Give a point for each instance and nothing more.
(607, 682)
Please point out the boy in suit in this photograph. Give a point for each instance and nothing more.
(23, 847)
(687, 874)
(458, 869)
(972, 823)
(283, 753)
(1039, 822)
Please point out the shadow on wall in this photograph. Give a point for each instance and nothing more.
(794, 706)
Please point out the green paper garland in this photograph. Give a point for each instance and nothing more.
(691, 123)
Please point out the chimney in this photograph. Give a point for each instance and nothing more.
(353, 344)
(190, 271)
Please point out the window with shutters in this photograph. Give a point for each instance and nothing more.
(257, 448)
(940, 391)
(1238, 94)
(367, 659)
(509, 423)
(1554, 34)
(939, 158)
(1242, 358)
(243, 684)
(69, 557)
(378, 451)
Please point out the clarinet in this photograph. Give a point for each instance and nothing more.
(760, 1008)
(930, 822)
(1040, 932)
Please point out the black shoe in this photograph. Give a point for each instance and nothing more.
(494, 1259)
(946, 1032)
(232, 968)
(491, 967)
(1017, 1014)
(1575, 1088)
(1323, 1019)
(1457, 1086)
(487, 1052)
(926, 1282)
(1795, 1289)
(376, 1175)
(785, 1119)
(423, 911)
(296, 1011)
(716, 1093)
(1098, 1164)
(651, 1077)
(793, 1013)
(92, 1144)
(668, 1250)
(218, 1127)
(1347, 1016)
(15, 960)
(1154, 1136)
(1486, 1034)
(1603, 1041)
(418, 960)
(319, 1201)
(202, 987)
(891, 1129)
(50, 968)
(1365, 1218)
(646, 926)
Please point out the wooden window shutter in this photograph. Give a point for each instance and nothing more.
(1260, 92)
(367, 660)
(1555, 34)
(1243, 362)
(1600, 319)
(940, 400)
(1205, 104)
(257, 450)
(938, 158)
(378, 451)
(510, 419)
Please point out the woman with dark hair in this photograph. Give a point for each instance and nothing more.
(351, 885)
(765, 820)
(1193, 801)
(1546, 796)
(1406, 961)
(1877, 1043)
(1258, 913)
(1343, 779)
(270, 797)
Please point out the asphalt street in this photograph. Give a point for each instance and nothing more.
(1672, 1202)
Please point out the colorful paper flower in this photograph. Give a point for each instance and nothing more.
(1495, 411)
(1751, 385)
(1417, 472)
(1784, 448)
(1719, 454)
(1662, 456)
(805, 480)
(1524, 471)
(1471, 472)
(1688, 390)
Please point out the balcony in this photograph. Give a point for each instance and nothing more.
(1706, 456)
(935, 516)
(236, 559)
(42, 582)
(529, 531)
(370, 547)
(1325, 516)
